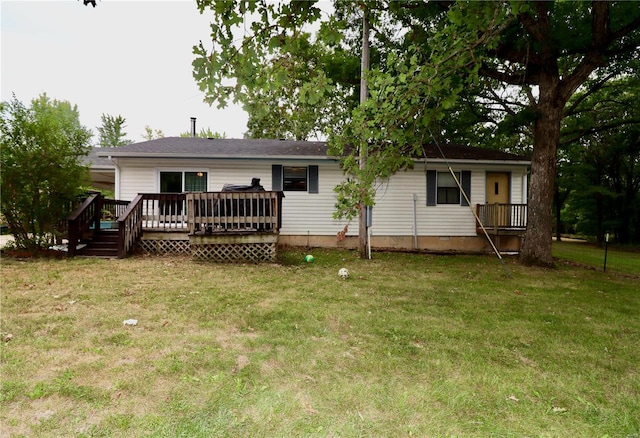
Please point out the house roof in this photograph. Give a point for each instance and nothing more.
(95, 161)
(463, 152)
(193, 147)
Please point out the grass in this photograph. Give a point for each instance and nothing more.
(618, 260)
(409, 345)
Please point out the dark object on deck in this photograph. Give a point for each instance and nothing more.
(254, 187)
(244, 207)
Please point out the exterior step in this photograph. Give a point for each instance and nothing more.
(103, 244)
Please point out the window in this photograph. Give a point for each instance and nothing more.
(448, 191)
(195, 182)
(294, 178)
(442, 187)
(178, 182)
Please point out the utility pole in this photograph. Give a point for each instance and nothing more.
(362, 156)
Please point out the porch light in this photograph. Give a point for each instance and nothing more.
(200, 174)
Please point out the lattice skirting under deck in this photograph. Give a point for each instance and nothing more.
(233, 252)
(164, 246)
(233, 249)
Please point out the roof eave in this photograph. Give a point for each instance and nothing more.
(471, 160)
(212, 156)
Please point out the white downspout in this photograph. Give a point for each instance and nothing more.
(116, 189)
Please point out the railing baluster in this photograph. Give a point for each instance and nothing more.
(502, 216)
(226, 211)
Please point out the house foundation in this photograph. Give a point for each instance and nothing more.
(453, 244)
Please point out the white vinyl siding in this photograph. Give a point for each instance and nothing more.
(312, 213)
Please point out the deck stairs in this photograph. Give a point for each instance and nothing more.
(103, 244)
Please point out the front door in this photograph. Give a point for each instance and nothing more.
(498, 193)
(498, 187)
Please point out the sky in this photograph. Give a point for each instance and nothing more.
(127, 58)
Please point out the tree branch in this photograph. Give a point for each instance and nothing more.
(577, 134)
(596, 87)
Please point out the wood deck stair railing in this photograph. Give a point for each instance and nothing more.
(85, 234)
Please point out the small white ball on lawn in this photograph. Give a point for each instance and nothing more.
(343, 273)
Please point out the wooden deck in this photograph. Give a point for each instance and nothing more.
(225, 226)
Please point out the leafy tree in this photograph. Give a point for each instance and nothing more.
(596, 150)
(150, 134)
(604, 180)
(524, 59)
(42, 171)
(112, 131)
(307, 105)
(204, 133)
(295, 87)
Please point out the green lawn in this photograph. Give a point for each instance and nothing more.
(619, 261)
(409, 345)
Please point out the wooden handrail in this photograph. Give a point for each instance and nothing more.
(502, 216)
(81, 219)
(238, 211)
(130, 226)
(114, 207)
(164, 211)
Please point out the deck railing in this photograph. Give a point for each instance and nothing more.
(199, 212)
(113, 207)
(502, 217)
(212, 212)
(164, 211)
(81, 220)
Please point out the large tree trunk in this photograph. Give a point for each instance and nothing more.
(536, 248)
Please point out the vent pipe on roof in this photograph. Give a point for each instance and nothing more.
(193, 126)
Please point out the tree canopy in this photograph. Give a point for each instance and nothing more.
(599, 163)
(111, 133)
(517, 63)
(151, 134)
(42, 170)
(204, 133)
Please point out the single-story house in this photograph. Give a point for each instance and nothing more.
(417, 209)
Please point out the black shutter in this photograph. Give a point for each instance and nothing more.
(432, 187)
(466, 186)
(276, 178)
(313, 179)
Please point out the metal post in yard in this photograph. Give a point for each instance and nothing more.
(606, 248)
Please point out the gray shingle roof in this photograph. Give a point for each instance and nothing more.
(190, 147)
(462, 152)
(98, 162)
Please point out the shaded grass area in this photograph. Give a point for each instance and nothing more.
(618, 260)
(416, 345)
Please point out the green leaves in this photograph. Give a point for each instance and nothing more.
(40, 157)
(111, 133)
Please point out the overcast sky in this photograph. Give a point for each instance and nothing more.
(128, 58)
